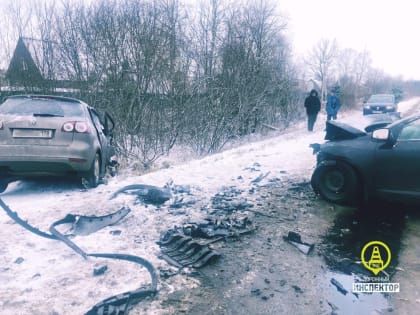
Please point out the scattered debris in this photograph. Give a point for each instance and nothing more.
(167, 273)
(100, 271)
(295, 239)
(260, 178)
(115, 232)
(180, 203)
(228, 201)
(299, 186)
(19, 260)
(339, 286)
(334, 308)
(117, 304)
(182, 251)
(216, 227)
(85, 225)
(297, 289)
(146, 193)
(254, 168)
(36, 276)
(255, 291)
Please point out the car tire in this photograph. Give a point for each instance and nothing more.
(94, 174)
(337, 183)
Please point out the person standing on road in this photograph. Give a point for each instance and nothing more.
(313, 106)
(333, 106)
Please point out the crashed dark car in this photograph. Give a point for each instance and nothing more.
(357, 166)
(42, 135)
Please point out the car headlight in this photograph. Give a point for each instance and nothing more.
(389, 106)
(367, 106)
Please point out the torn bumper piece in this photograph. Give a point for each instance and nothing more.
(295, 239)
(115, 305)
(182, 251)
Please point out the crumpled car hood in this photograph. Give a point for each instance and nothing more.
(340, 131)
(336, 130)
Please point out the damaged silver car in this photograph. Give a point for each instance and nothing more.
(43, 135)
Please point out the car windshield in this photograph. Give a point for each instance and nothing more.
(381, 99)
(41, 107)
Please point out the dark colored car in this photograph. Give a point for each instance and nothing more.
(380, 103)
(356, 166)
(50, 135)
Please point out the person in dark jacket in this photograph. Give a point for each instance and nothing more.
(333, 106)
(313, 106)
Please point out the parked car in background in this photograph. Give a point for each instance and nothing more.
(380, 103)
(42, 135)
(358, 166)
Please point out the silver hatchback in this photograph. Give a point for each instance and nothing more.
(42, 135)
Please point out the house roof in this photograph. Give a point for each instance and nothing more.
(35, 59)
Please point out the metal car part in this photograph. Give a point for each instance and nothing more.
(115, 305)
(147, 193)
(182, 251)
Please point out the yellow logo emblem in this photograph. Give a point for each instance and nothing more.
(378, 254)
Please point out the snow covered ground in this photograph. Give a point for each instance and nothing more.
(41, 276)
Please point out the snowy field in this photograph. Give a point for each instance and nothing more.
(41, 276)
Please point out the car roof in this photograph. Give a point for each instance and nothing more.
(381, 97)
(47, 97)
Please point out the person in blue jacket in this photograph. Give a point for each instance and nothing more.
(333, 106)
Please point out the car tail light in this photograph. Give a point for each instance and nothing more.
(68, 126)
(77, 126)
(81, 127)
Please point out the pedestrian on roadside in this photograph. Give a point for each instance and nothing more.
(333, 106)
(313, 106)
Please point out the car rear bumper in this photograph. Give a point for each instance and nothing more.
(29, 160)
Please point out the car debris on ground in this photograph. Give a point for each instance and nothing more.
(117, 304)
(295, 239)
(146, 193)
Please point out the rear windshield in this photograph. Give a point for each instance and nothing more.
(381, 99)
(41, 107)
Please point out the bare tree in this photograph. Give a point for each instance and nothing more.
(320, 61)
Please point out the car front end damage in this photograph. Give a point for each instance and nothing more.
(340, 162)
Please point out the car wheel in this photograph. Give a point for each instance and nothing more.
(94, 173)
(3, 185)
(337, 183)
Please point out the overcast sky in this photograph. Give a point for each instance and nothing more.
(388, 29)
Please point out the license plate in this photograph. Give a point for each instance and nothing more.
(377, 111)
(32, 133)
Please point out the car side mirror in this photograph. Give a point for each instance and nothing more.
(381, 134)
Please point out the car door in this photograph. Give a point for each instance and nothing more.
(101, 134)
(397, 166)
